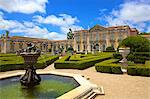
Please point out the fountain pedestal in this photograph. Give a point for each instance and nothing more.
(30, 78)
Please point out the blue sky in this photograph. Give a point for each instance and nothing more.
(52, 18)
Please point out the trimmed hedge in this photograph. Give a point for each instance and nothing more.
(139, 70)
(84, 63)
(109, 66)
(45, 62)
(13, 62)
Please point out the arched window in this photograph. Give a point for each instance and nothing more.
(78, 47)
(104, 47)
(97, 47)
(91, 47)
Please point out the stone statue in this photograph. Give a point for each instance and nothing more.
(70, 34)
(7, 34)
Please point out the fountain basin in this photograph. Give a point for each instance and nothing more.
(79, 88)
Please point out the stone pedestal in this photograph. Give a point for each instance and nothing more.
(124, 52)
(30, 78)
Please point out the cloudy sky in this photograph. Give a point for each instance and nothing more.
(52, 18)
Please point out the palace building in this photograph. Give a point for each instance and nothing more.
(84, 40)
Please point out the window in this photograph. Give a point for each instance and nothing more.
(97, 37)
(112, 36)
(91, 47)
(103, 47)
(78, 37)
(78, 47)
(84, 47)
(104, 37)
(84, 36)
(91, 37)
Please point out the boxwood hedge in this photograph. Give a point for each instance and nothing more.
(80, 63)
(13, 62)
(139, 70)
(109, 66)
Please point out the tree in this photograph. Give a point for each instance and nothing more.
(139, 48)
(136, 44)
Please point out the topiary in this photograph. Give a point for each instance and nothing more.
(137, 45)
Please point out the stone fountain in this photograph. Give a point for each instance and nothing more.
(30, 55)
(124, 51)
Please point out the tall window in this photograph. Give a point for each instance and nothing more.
(112, 37)
(91, 47)
(78, 37)
(78, 47)
(103, 47)
(84, 36)
(91, 37)
(120, 36)
(97, 36)
(103, 36)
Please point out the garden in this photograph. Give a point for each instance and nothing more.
(105, 62)
(14, 62)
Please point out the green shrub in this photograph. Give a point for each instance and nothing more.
(131, 70)
(109, 66)
(139, 47)
(84, 62)
(136, 44)
(110, 49)
(143, 71)
(139, 70)
(103, 69)
(117, 56)
(116, 69)
(14, 62)
(45, 62)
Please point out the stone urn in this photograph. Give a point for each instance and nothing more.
(124, 51)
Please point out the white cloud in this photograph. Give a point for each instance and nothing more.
(61, 20)
(23, 6)
(133, 12)
(29, 29)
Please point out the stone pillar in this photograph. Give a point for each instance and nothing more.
(108, 40)
(5, 45)
(81, 42)
(52, 50)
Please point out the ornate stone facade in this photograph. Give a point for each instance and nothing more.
(101, 37)
(84, 40)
